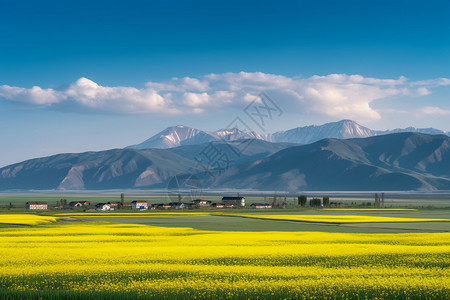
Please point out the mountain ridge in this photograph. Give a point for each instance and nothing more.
(180, 135)
(415, 162)
(399, 161)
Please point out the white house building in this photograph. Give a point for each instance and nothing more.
(139, 204)
(236, 201)
(103, 206)
(36, 205)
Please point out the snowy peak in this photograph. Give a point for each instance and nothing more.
(183, 135)
(175, 136)
(413, 129)
(235, 134)
(346, 129)
(350, 129)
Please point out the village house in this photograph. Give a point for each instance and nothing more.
(185, 205)
(237, 201)
(200, 202)
(79, 203)
(260, 205)
(36, 205)
(103, 206)
(175, 205)
(139, 204)
(161, 206)
(217, 205)
(114, 203)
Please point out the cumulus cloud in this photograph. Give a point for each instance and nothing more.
(434, 111)
(116, 99)
(335, 95)
(35, 95)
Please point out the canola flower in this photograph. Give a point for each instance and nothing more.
(25, 219)
(120, 261)
(138, 214)
(338, 218)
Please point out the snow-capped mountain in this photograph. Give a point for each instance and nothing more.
(412, 129)
(344, 129)
(182, 135)
(235, 134)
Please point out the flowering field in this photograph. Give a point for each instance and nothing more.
(102, 260)
(339, 218)
(138, 214)
(25, 219)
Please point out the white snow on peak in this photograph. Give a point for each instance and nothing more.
(183, 135)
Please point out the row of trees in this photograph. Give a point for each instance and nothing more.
(314, 202)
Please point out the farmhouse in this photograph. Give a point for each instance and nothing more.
(217, 205)
(200, 202)
(103, 206)
(175, 204)
(139, 204)
(161, 206)
(79, 203)
(114, 203)
(260, 205)
(36, 205)
(237, 201)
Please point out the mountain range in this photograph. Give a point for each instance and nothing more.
(402, 161)
(336, 156)
(182, 135)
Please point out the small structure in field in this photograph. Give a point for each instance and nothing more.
(79, 203)
(217, 205)
(36, 205)
(114, 203)
(103, 206)
(185, 205)
(161, 206)
(237, 201)
(228, 205)
(200, 202)
(260, 205)
(175, 205)
(139, 204)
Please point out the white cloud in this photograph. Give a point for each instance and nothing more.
(434, 111)
(335, 95)
(35, 95)
(196, 100)
(433, 82)
(116, 99)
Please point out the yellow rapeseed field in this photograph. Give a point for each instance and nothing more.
(103, 260)
(25, 219)
(137, 214)
(339, 218)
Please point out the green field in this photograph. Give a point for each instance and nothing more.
(228, 223)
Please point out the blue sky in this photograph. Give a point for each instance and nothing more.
(127, 54)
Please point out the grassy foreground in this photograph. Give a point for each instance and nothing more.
(119, 261)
